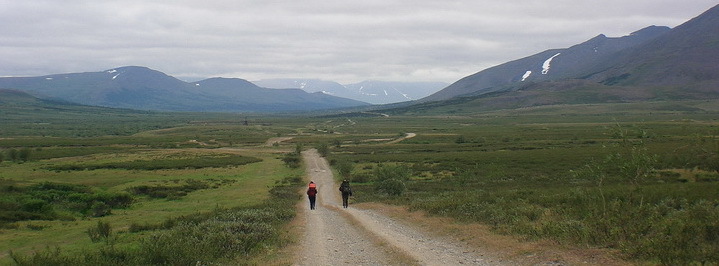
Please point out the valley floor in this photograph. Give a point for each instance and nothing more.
(379, 234)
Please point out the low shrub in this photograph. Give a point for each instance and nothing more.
(101, 231)
(292, 160)
(392, 186)
(196, 239)
(175, 190)
(194, 162)
(47, 200)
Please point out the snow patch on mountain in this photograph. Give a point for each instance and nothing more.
(526, 75)
(547, 64)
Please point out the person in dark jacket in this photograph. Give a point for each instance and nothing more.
(346, 193)
(312, 194)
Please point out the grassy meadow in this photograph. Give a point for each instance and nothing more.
(645, 182)
(145, 188)
(176, 187)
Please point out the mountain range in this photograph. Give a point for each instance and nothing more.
(142, 88)
(650, 64)
(370, 91)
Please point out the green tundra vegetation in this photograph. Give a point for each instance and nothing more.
(119, 187)
(173, 188)
(645, 184)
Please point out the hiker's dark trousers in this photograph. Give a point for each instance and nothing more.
(312, 202)
(345, 199)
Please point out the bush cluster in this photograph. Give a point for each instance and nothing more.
(390, 179)
(176, 191)
(15, 155)
(220, 236)
(47, 200)
(158, 164)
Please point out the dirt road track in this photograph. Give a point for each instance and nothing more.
(334, 235)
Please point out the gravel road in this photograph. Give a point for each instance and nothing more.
(334, 235)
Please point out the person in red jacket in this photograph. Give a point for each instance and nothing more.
(312, 194)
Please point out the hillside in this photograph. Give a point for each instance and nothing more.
(548, 65)
(654, 63)
(686, 57)
(146, 89)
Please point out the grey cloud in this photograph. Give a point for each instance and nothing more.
(333, 40)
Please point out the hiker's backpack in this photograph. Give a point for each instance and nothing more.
(346, 190)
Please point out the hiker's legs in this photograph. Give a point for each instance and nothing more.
(345, 199)
(312, 203)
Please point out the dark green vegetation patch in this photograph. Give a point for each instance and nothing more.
(176, 162)
(52, 201)
(222, 235)
(176, 189)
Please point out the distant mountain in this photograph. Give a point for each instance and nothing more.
(308, 85)
(146, 89)
(552, 64)
(375, 92)
(654, 63)
(654, 69)
(384, 92)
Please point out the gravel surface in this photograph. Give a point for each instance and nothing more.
(334, 235)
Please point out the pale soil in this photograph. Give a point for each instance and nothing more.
(272, 141)
(379, 234)
(406, 136)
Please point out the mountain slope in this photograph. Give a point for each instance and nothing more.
(687, 56)
(146, 89)
(548, 65)
(681, 62)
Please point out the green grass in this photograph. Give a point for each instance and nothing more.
(227, 185)
(550, 172)
(178, 162)
(221, 235)
(575, 180)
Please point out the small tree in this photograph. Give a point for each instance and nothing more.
(637, 165)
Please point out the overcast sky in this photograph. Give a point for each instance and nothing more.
(344, 41)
